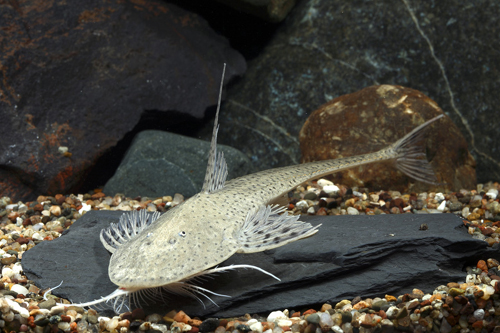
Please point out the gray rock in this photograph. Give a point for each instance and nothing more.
(328, 48)
(79, 75)
(350, 256)
(161, 163)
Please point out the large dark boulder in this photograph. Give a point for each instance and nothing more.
(329, 48)
(79, 74)
(349, 256)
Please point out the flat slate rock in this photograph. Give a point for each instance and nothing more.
(160, 162)
(350, 256)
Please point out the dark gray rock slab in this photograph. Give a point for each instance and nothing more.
(329, 48)
(79, 75)
(160, 163)
(350, 256)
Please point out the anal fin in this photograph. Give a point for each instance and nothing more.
(265, 229)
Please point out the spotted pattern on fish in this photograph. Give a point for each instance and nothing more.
(236, 216)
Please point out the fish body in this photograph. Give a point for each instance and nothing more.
(211, 226)
(229, 217)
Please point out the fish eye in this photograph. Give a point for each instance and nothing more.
(182, 234)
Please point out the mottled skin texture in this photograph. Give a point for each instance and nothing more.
(202, 231)
(226, 218)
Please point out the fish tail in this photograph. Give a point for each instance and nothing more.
(410, 156)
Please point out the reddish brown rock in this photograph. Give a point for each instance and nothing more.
(373, 118)
(77, 75)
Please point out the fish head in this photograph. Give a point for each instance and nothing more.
(186, 240)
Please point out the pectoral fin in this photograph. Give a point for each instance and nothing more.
(265, 229)
(130, 225)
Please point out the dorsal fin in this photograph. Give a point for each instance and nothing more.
(216, 174)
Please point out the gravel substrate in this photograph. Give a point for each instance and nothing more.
(471, 305)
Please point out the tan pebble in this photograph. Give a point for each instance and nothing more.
(45, 212)
(194, 322)
(492, 263)
(220, 329)
(55, 210)
(325, 307)
(390, 298)
(341, 304)
(169, 317)
(124, 323)
(157, 201)
(182, 317)
(418, 292)
(360, 305)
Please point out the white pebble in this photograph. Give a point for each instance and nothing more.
(58, 309)
(22, 208)
(273, 316)
(311, 211)
(325, 321)
(178, 198)
(19, 289)
(256, 327)
(284, 322)
(64, 326)
(85, 208)
(112, 323)
(470, 278)
(161, 327)
(352, 211)
(18, 308)
(37, 236)
(324, 182)
(11, 206)
(392, 312)
(358, 194)
(38, 226)
(492, 193)
(337, 329)
(6, 271)
(442, 206)
(488, 291)
(302, 204)
(439, 197)
(465, 212)
(331, 189)
(9, 316)
(19, 221)
(270, 331)
(479, 314)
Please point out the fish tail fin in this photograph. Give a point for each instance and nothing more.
(410, 154)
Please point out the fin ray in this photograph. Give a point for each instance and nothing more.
(265, 229)
(410, 159)
(130, 224)
(216, 174)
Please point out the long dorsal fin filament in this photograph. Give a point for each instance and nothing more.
(216, 173)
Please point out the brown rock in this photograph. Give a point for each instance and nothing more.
(181, 317)
(373, 118)
(119, 60)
